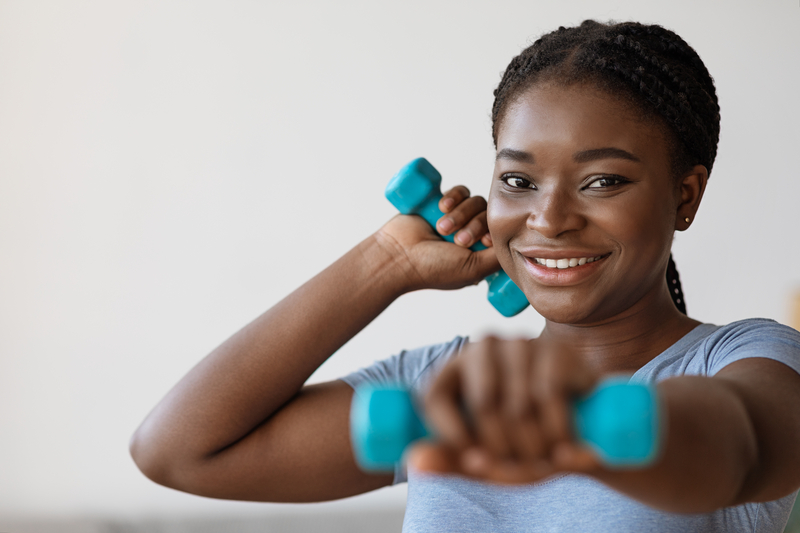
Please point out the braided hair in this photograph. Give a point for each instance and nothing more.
(648, 68)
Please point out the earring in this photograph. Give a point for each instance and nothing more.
(687, 220)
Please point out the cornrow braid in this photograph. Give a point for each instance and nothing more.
(646, 66)
(674, 284)
(650, 66)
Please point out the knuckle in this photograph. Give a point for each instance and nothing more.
(476, 204)
(457, 216)
(476, 226)
(481, 403)
(517, 409)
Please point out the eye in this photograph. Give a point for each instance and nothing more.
(604, 182)
(518, 182)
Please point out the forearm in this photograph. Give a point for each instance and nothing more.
(256, 371)
(709, 449)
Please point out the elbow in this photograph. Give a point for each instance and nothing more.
(168, 463)
(153, 459)
(146, 459)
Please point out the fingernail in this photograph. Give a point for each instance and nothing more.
(463, 237)
(488, 238)
(448, 203)
(446, 225)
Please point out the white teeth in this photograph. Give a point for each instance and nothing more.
(567, 262)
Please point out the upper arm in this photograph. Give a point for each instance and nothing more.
(770, 394)
(301, 453)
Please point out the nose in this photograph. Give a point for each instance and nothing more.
(555, 213)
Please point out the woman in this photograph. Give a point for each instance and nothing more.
(605, 138)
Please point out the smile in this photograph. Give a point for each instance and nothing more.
(564, 272)
(567, 262)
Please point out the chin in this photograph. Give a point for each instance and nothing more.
(568, 308)
(564, 316)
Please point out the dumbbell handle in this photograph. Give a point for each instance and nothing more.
(416, 190)
(618, 419)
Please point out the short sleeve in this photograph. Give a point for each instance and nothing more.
(753, 338)
(413, 369)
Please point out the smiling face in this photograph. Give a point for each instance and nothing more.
(583, 185)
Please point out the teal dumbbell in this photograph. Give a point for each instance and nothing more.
(416, 190)
(618, 419)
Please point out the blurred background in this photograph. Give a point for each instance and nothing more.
(169, 170)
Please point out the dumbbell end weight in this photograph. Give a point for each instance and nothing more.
(383, 422)
(416, 185)
(620, 422)
(504, 295)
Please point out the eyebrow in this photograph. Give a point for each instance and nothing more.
(514, 155)
(584, 156)
(603, 153)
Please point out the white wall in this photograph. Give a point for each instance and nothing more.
(168, 170)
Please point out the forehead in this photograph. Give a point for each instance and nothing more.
(577, 118)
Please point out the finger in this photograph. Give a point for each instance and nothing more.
(556, 413)
(443, 408)
(481, 392)
(474, 231)
(487, 239)
(461, 215)
(430, 457)
(453, 197)
(562, 376)
(479, 464)
(480, 264)
(520, 412)
(573, 458)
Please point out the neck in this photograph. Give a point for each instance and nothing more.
(628, 340)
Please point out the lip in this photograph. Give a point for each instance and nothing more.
(549, 253)
(557, 277)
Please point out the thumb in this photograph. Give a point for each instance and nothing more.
(481, 264)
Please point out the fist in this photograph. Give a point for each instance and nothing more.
(501, 412)
(433, 262)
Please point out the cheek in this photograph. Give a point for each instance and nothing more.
(506, 220)
(646, 227)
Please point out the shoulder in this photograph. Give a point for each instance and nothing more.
(755, 337)
(753, 329)
(709, 348)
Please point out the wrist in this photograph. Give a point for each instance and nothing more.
(388, 264)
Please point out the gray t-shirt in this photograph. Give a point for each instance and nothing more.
(573, 502)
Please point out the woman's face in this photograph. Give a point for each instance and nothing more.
(580, 180)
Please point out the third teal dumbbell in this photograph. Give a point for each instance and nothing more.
(416, 190)
(618, 420)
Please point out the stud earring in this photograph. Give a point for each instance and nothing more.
(687, 220)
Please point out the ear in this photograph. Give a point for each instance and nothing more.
(690, 191)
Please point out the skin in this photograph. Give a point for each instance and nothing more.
(579, 174)
(265, 436)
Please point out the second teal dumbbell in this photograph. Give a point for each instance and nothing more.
(618, 420)
(416, 190)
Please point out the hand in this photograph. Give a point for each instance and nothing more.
(433, 262)
(517, 396)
